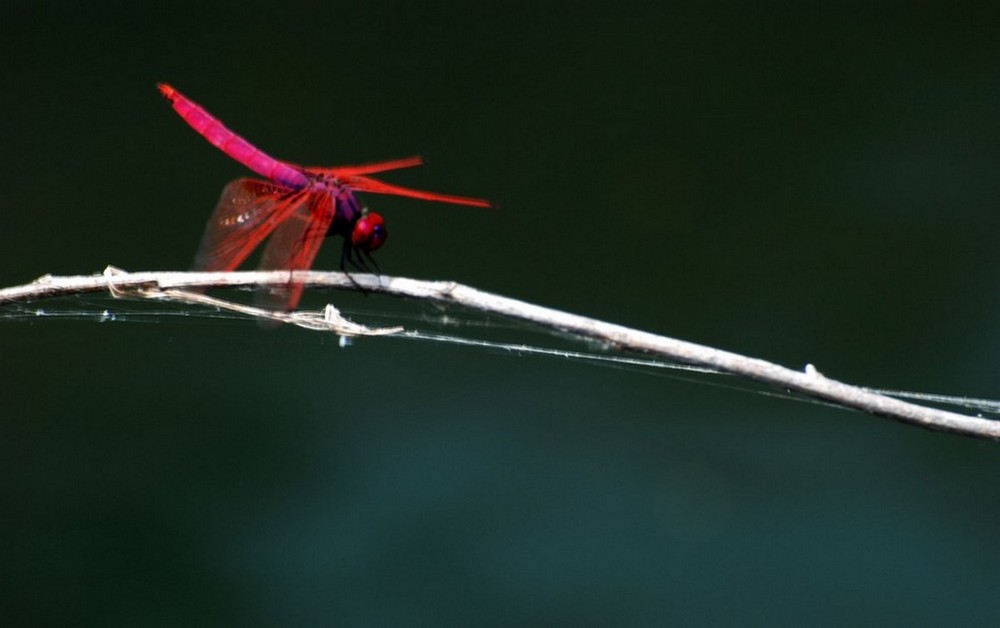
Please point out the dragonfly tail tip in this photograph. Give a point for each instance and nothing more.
(169, 92)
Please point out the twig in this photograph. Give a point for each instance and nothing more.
(810, 382)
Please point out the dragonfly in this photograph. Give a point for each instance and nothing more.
(297, 206)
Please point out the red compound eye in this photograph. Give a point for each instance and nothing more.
(369, 232)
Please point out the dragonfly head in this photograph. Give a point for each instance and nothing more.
(369, 232)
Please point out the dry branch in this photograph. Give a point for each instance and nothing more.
(176, 286)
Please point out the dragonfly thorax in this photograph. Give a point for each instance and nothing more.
(363, 230)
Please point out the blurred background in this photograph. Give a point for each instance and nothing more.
(793, 181)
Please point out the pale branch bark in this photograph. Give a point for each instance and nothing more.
(177, 286)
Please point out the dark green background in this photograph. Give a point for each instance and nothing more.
(793, 181)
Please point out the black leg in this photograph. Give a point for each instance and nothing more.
(345, 258)
(368, 256)
(359, 262)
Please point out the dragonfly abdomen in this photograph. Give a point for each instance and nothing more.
(209, 127)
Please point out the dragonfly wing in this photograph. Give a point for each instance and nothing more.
(294, 245)
(247, 212)
(380, 166)
(367, 184)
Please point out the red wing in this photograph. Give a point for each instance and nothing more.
(293, 246)
(248, 210)
(381, 166)
(353, 177)
(366, 184)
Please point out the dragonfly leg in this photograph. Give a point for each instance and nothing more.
(368, 256)
(347, 257)
(359, 261)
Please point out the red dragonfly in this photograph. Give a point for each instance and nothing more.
(297, 206)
